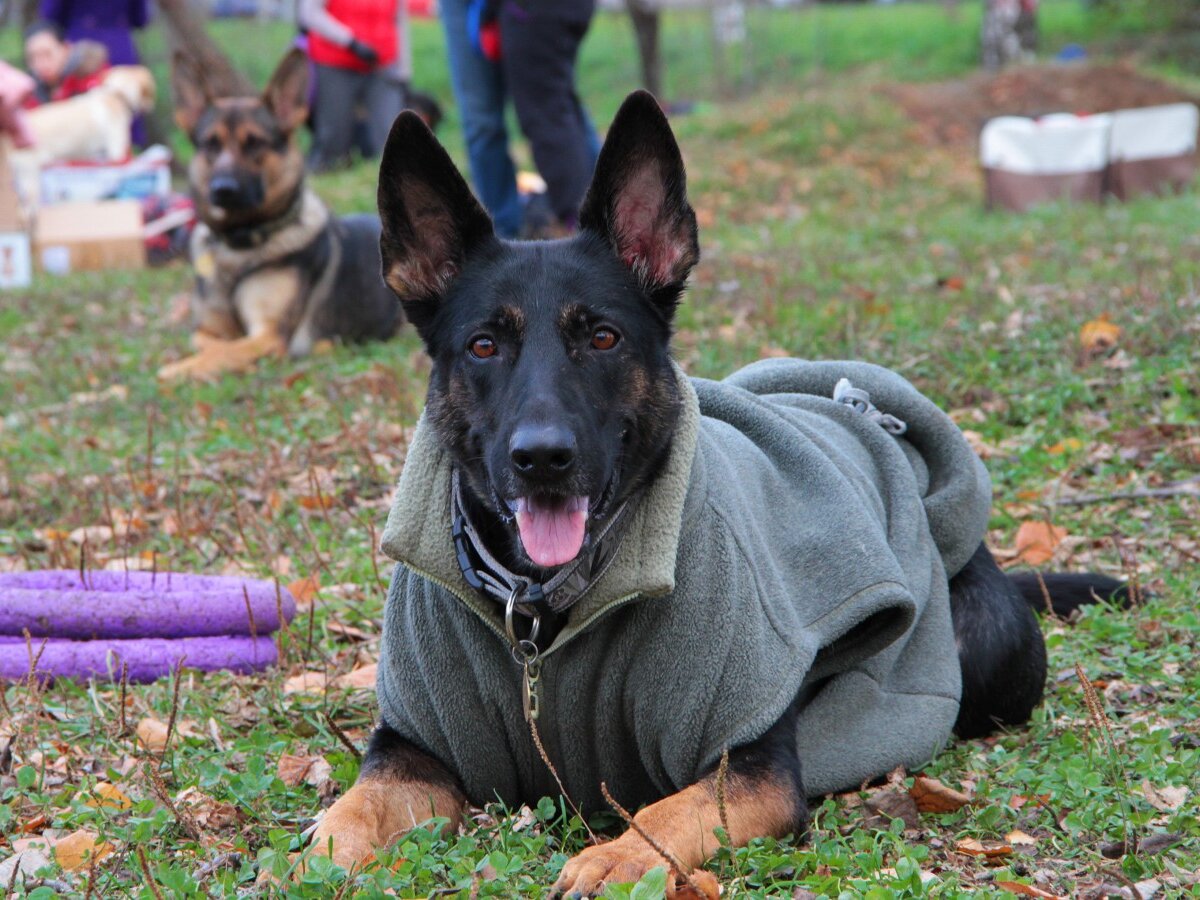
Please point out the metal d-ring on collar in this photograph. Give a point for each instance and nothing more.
(524, 650)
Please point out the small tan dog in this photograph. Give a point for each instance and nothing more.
(92, 126)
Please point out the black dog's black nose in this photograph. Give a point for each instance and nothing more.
(542, 451)
(223, 190)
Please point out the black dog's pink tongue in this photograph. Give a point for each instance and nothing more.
(552, 528)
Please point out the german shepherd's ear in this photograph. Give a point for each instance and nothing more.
(430, 219)
(191, 93)
(638, 200)
(286, 94)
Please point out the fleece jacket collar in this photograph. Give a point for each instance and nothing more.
(418, 532)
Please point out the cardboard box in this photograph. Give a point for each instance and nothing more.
(15, 268)
(148, 175)
(77, 237)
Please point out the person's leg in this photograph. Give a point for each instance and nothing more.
(479, 91)
(541, 41)
(385, 98)
(337, 96)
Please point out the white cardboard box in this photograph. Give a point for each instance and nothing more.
(16, 270)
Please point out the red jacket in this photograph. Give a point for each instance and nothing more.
(372, 21)
(70, 86)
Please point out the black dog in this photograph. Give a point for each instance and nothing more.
(553, 411)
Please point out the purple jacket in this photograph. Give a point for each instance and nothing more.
(108, 21)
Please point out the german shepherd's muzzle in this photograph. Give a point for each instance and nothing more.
(276, 272)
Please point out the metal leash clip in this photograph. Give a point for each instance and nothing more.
(525, 653)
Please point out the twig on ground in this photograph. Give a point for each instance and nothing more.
(150, 882)
(174, 710)
(673, 862)
(185, 819)
(1103, 727)
(1189, 487)
(537, 742)
(342, 736)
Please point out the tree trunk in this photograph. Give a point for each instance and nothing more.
(186, 35)
(645, 19)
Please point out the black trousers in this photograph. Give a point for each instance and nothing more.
(352, 109)
(540, 41)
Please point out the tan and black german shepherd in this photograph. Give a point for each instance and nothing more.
(276, 272)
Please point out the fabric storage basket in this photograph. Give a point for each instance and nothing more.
(1032, 161)
(1152, 150)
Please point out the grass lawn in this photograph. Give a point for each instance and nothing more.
(829, 230)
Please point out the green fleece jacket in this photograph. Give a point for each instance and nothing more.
(792, 547)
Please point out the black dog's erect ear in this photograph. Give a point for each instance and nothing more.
(638, 200)
(191, 94)
(430, 218)
(286, 94)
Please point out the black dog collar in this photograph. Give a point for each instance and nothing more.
(489, 577)
(254, 236)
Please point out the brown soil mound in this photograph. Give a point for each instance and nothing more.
(954, 111)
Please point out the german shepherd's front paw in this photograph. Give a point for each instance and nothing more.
(623, 861)
(348, 833)
(197, 367)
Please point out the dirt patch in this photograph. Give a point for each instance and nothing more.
(954, 111)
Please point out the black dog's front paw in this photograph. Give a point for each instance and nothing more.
(625, 861)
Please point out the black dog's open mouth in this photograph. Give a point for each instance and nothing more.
(552, 527)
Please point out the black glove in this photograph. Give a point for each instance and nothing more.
(365, 52)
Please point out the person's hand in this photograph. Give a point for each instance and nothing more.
(365, 52)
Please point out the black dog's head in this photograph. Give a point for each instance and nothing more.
(247, 168)
(552, 387)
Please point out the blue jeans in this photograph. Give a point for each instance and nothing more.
(480, 92)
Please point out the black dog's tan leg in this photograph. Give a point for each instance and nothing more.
(764, 797)
(398, 789)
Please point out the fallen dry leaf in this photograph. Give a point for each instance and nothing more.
(987, 849)
(152, 734)
(347, 631)
(305, 683)
(1099, 335)
(93, 535)
(34, 825)
(22, 866)
(108, 796)
(1037, 541)
(1017, 801)
(361, 679)
(1067, 445)
(295, 770)
(883, 806)
(1027, 890)
(79, 848)
(932, 796)
(315, 501)
(1166, 799)
(1016, 837)
(303, 590)
(210, 814)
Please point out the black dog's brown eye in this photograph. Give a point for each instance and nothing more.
(603, 339)
(483, 347)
